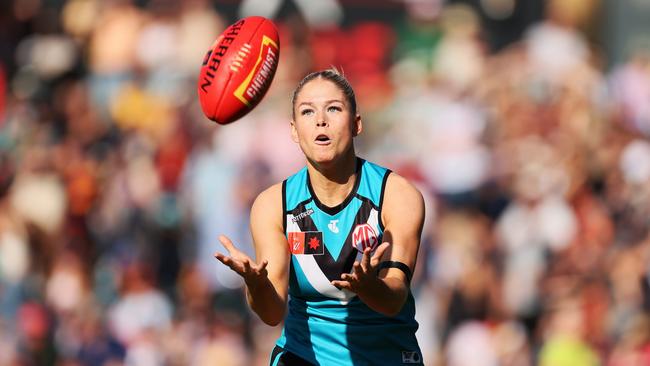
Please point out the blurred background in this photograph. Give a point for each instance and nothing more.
(526, 125)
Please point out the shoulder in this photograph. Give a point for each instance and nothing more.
(267, 208)
(270, 197)
(401, 188)
(402, 198)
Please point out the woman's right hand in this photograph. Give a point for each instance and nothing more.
(239, 262)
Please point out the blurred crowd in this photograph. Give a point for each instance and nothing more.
(533, 157)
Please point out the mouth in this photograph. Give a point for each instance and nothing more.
(322, 139)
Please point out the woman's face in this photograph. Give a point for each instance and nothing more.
(324, 125)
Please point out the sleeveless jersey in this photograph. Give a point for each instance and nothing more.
(325, 325)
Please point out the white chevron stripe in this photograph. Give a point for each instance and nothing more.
(319, 281)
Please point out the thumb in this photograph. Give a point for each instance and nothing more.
(379, 252)
(227, 243)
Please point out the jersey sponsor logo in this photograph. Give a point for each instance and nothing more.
(332, 226)
(411, 357)
(302, 215)
(306, 242)
(364, 236)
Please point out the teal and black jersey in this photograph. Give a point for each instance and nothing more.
(325, 325)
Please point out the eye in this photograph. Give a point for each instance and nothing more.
(306, 112)
(334, 109)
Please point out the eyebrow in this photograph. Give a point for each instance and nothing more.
(326, 102)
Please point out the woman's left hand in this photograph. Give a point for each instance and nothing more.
(364, 274)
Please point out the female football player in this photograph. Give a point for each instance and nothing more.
(335, 243)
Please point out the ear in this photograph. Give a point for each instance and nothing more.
(357, 127)
(294, 132)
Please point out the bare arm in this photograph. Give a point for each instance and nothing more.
(267, 281)
(403, 215)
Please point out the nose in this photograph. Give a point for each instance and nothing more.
(321, 121)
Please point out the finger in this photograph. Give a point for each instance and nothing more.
(365, 259)
(261, 269)
(227, 243)
(262, 266)
(247, 265)
(223, 258)
(379, 253)
(356, 267)
(341, 285)
(230, 263)
(349, 277)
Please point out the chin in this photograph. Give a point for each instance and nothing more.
(324, 162)
(323, 159)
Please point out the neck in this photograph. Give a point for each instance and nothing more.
(333, 183)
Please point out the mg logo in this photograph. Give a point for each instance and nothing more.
(364, 236)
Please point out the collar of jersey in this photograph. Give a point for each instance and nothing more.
(336, 209)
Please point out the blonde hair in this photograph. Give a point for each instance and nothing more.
(332, 74)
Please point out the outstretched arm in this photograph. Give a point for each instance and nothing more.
(267, 280)
(403, 215)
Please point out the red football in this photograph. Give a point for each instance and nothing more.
(238, 69)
